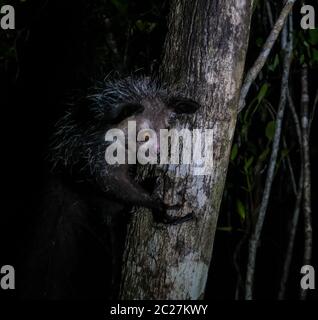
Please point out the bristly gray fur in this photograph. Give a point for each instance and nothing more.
(128, 90)
(82, 144)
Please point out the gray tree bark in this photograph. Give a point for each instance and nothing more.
(205, 54)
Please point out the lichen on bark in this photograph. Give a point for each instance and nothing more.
(205, 54)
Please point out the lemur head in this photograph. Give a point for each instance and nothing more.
(80, 134)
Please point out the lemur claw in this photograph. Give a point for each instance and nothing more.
(161, 215)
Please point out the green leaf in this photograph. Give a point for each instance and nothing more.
(315, 55)
(121, 5)
(313, 36)
(234, 152)
(145, 26)
(306, 44)
(274, 65)
(140, 25)
(262, 92)
(285, 152)
(302, 59)
(240, 209)
(248, 163)
(264, 154)
(270, 130)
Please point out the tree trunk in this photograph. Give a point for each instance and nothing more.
(205, 54)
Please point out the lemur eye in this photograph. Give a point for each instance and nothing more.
(144, 135)
(183, 105)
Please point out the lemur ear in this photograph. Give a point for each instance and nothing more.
(123, 111)
(183, 105)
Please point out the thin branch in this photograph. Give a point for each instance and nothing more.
(307, 175)
(254, 240)
(295, 217)
(290, 168)
(236, 256)
(269, 13)
(262, 58)
(292, 108)
(313, 111)
(291, 238)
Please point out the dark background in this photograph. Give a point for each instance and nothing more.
(61, 47)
